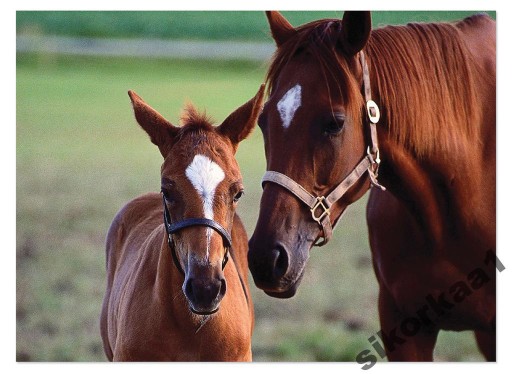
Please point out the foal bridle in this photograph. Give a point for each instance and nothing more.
(320, 205)
(172, 228)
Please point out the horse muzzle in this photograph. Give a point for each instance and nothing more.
(204, 294)
(274, 270)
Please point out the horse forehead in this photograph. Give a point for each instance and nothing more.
(204, 174)
(288, 104)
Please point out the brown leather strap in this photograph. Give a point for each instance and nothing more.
(363, 166)
(318, 206)
(372, 109)
(367, 88)
(290, 185)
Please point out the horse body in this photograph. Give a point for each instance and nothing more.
(146, 310)
(438, 223)
(177, 273)
(432, 231)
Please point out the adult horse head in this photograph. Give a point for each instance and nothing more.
(315, 139)
(177, 261)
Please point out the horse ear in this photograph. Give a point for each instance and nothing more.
(281, 29)
(160, 131)
(239, 124)
(356, 31)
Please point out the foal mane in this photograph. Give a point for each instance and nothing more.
(422, 78)
(195, 125)
(193, 120)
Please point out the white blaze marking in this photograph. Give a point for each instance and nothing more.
(289, 104)
(205, 175)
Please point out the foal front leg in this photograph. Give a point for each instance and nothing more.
(403, 336)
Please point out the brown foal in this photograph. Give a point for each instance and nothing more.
(177, 287)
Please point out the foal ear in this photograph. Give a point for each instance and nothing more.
(239, 124)
(160, 131)
(281, 29)
(355, 31)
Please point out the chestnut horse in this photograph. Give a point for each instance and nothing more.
(177, 274)
(421, 98)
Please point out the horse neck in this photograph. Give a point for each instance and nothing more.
(438, 190)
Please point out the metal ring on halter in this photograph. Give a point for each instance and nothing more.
(373, 111)
(320, 203)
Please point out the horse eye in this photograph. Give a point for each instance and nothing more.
(238, 196)
(334, 125)
(167, 195)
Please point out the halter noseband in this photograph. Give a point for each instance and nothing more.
(320, 205)
(171, 228)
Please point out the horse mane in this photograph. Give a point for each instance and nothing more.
(427, 86)
(421, 76)
(192, 119)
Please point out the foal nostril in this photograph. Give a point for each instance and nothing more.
(205, 292)
(280, 262)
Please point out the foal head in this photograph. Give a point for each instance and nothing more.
(313, 132)
(200, 179)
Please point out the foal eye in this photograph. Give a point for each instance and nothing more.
(167, 195)
(334, 125)
(238, 196)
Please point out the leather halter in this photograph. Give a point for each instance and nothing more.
(171, 228)
(320, 205)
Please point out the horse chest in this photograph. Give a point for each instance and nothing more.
(155, 334)
(457, 294)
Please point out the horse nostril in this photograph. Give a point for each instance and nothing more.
(189, 290)
(222, 291)
(280, 259)
(203, 292)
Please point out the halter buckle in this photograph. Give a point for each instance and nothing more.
(320, 203)
(373, 111)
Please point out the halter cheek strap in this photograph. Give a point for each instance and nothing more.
(320, 205)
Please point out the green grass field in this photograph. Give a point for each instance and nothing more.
(80, 156)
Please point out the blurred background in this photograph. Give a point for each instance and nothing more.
(80, 156)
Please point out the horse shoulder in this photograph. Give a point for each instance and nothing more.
(480, 36)
(392, 227)
(135, 215)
